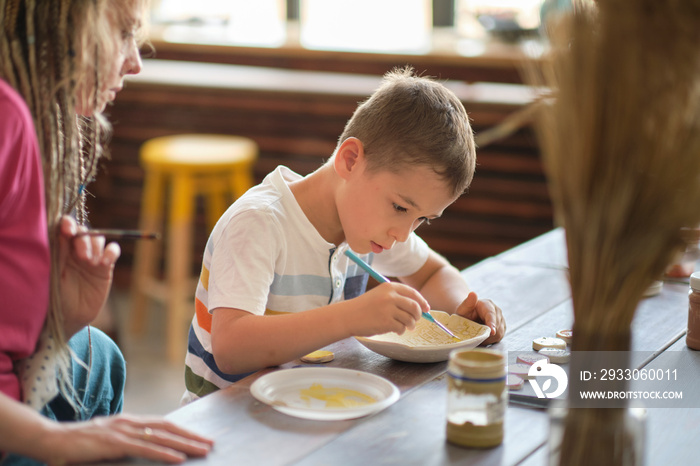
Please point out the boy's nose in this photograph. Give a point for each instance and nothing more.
(401, 233)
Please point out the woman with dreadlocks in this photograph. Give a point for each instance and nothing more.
(61, 63)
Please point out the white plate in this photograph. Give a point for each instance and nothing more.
(428, 343)
(288, 390)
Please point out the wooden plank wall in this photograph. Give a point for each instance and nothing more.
(495, 62)
(296, 117)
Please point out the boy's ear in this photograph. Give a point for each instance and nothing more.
(349, 155)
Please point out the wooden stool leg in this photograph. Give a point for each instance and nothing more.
(216, 202)
(241, 181)
(147, 253)
(180, 303)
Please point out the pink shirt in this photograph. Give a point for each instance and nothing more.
(24, 245)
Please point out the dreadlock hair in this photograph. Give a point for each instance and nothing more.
(56, 53)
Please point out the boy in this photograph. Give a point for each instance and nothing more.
(275, 282)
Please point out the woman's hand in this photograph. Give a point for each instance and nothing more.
(86, 268)
(113, 437)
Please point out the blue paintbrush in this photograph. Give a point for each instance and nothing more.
(382, 279)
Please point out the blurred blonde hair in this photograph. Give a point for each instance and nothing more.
(49, 51)
(413, 120)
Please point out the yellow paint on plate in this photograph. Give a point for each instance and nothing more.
(336, 397)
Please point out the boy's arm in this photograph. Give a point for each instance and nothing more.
(244, 342)
(446, 290)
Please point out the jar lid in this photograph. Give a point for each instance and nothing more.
(695, 281)
(478, 362)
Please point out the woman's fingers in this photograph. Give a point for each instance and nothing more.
(166, 441)
(122, 436)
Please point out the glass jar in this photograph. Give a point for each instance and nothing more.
(477, 398)
(692, 338)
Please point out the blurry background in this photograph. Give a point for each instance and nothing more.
(361, 25)
(288, 74)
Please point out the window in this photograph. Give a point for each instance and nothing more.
(402, 26)
(260, 23)
(366, 25)
(477, 18)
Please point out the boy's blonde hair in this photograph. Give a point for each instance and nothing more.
(412, 120)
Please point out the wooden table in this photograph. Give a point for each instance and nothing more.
(530, 284)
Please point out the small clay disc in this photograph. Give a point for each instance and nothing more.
(318, 357)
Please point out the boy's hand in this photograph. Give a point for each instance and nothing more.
(389, 307)
(486, 312)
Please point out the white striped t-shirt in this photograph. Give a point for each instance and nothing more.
(265, 256)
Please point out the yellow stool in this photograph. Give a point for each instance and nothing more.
(216, 167)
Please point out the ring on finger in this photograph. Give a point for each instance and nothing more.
(147, 434)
